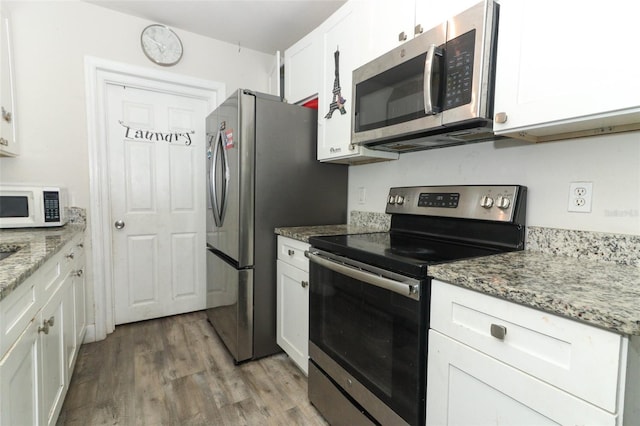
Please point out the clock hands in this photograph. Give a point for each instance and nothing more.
(160, 45)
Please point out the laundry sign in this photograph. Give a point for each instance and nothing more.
(154, 136)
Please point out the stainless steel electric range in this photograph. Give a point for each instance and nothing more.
(369, 297)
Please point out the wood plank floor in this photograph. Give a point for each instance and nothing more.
(176, 371)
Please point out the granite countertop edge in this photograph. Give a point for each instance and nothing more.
(33, 248)
(602, 294)
(303, 233)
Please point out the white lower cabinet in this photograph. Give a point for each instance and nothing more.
(496, 362)
(293, 301)
(467, 387)
(52, 354)
(19, 380)
(36, 365)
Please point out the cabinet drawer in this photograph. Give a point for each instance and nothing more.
(581, 359)
(16, 311)
(467, 387)
(292, 252)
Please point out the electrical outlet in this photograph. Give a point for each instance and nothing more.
(580, 194)
(362, 194)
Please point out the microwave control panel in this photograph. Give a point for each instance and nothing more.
(459, 70)
(51, 206)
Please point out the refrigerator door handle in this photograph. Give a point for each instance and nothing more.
(213, 192)
(227, 175)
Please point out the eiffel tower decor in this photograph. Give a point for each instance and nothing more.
(338, 101)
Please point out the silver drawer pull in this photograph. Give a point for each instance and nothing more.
(498, 331)
(304, 284)
(291, 252)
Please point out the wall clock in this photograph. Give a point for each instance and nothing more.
(161, 45)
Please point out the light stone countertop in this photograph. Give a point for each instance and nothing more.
(603, 294)
(34, 246)
(303, 233)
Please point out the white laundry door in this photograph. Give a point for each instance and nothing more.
(155, 144)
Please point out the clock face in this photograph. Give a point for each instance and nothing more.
(161, 45)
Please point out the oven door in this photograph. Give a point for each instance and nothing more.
(367, 332)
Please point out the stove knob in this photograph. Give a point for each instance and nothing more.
(503, 202)
(486, 202)
(392, 199)
(400, 200)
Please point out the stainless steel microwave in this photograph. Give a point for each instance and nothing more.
(24, 206)
(432, 91)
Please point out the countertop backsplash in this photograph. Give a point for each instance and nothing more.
(77, 215)
(380, 221)
(621, 249)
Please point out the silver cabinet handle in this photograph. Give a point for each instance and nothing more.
(78, 273)
(291, 252)
(304, 284)
(6, 115)
(501, 117)
(70, 256)
(46, 324)
(498, 331)
(418, 29)
(402, 36)
(119, 224)
(4, 142)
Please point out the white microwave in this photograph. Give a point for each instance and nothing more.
(24, 206)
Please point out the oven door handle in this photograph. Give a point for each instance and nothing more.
(404, 289)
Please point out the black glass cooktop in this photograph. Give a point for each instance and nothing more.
(398, 252)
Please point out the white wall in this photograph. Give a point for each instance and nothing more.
(612, 163)
(51, 39)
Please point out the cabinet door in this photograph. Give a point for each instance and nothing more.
(301, 68)
(69, 325)
(579, 75)
(293, 313)
(8, 140)
(430, 14)
(19, 380)
(345, 32)
(389, 20)
(465, 386)
(342, 40)
(52, 359)
(79, 295)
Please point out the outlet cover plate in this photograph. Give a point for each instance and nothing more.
(580, 194)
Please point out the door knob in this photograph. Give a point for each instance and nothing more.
(119, 224)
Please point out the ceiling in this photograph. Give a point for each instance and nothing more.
(262, 25)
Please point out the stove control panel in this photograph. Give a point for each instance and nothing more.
(485, 202)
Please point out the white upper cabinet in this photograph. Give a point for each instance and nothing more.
(302, 68)
(567, 69)
(392, 25)
(8, 141)
(429, 14)
(343, 38)
(395, 22)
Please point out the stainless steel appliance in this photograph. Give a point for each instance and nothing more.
(369, 297)
(262, 173)
(27, 206)
(435, 90)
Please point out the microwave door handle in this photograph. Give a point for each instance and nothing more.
(407, 290)
(429, 108)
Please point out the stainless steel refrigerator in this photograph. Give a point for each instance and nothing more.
(262, 173)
